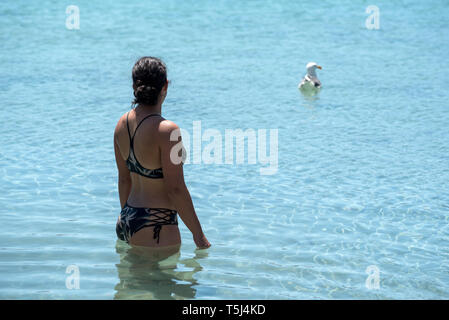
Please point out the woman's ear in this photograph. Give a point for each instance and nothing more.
(164, 88)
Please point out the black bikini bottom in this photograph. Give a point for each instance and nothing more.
(133, 219)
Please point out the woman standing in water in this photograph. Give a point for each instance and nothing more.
(151, 186)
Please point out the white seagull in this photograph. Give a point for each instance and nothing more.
(310, 83)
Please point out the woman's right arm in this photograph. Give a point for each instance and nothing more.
(177, 191)
(124, 177)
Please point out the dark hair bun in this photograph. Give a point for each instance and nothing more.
(149, 77)
(146, 94)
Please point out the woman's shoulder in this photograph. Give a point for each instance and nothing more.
(168, 132)
(167, 126)
(121, 123)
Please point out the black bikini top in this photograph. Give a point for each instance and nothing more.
(132, 163)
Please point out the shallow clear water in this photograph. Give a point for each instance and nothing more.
(363, 169)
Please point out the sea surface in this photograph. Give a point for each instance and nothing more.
(357, 209)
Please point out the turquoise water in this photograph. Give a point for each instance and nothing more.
(363, 168)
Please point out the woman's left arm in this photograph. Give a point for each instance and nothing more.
(124, 177)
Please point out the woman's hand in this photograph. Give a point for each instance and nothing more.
(201, 241)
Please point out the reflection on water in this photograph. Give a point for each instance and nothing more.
(309, 101)
(150, 274)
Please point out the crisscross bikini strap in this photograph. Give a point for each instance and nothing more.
(150, 115)
(160, 217)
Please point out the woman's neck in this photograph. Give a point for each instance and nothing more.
(150, 109)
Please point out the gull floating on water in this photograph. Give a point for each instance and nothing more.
(310, 84)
